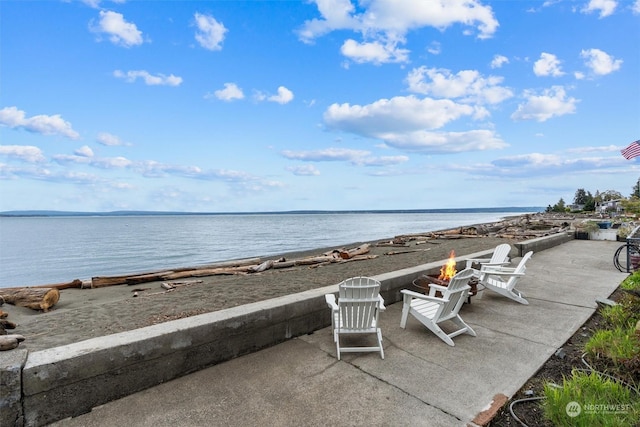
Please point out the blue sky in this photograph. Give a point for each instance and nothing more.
(228, 106)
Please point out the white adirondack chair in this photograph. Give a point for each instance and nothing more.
(500, 257)
(356, 312)
(431, 310)
(504, 279)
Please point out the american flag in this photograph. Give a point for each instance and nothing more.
(633, 150)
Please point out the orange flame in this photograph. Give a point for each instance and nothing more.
(449, 269)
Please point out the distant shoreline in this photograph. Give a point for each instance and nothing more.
(53, 213)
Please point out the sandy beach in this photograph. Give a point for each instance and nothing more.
(86, 313)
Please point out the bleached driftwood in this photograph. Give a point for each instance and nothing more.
(360, 250)
(9, 342)
(31, 297)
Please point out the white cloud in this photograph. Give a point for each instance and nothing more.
(435, 48)
(635, 8)
(97, 162)
(374, 52)
(112, 162)
(384, 160)
(326, 155)
(26, 153)
(398, 114)
(230, 92)
(84, 151)
(45, 125)
(356, 157)
(468, 85)
(120, 32)
(396, 18)
(551, 103)
(336, 15)
(540, 165)
(547, 65)
(44, 174)
(304, 170)
(149, 79)
(498, 61)
(600, 62)
(426, 142)
(384, 24)
(605, 7)
(96, 3)
(210, 33)
(407, 123)
(284, 96)
(109, 140)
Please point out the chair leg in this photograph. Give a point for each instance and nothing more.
(380, 343)
(433, 327)
(463, 326)
(518, 296)
(406, 306)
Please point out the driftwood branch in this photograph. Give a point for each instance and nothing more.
(408, 251)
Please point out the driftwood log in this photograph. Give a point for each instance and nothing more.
(360, 250)
(9, 342)
(76, 283)
(4, 325)
(31, 297)
(245, 266)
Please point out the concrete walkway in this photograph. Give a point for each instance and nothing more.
(421, 381)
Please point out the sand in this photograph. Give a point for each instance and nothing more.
(81, 314)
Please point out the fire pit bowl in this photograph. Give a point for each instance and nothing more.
(424, 282)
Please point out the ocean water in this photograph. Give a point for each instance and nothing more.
(58, 249)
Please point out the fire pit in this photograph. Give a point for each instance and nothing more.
(447, 271)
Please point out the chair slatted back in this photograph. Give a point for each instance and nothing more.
(456, 293)
(520, 268)
(358, 303)
(500, 253)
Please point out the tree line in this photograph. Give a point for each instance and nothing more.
(584, 201)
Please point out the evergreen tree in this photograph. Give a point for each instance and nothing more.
(560, 206)
(581, 197)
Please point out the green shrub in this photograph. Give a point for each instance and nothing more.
(621, 315)
(614, 344)
(589, 399)
(632, 282)
(616, 316)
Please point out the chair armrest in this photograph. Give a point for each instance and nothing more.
(480, 260)
(471, 261)
(496, 269)
(500, 273)
(413, 294)
(381, 307)
(438, 287)
(495, 264)
(331, 301)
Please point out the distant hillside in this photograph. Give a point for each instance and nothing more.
(70, 213)
(48, 213)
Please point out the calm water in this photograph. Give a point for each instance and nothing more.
(44, 250)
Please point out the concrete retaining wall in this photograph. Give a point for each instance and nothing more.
(45, 386)
(542, 243)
